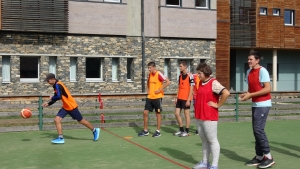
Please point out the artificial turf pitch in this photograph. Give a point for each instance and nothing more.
(122, 148)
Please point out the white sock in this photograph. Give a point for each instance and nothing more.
(268, 156)
(158, 131)
(259, 157)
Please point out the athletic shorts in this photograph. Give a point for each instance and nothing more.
(181, 104)
(75, 114)
(153, 104)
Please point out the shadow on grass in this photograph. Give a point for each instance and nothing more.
(54, 135)
(170, 130)
(26, 140)
(283, 151)
(136, 127)
(289, 146)
(180, 155)
(233, 155)
(229, 154)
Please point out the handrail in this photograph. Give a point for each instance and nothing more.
(123, 94)
(236, 94)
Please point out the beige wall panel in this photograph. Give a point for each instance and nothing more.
(188, 23)
(125, 1)
(151, 18)
(162, 2)
(133, 18)
(213, 4)
(188, 4)
(97, 18)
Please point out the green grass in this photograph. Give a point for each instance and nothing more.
(33, 150)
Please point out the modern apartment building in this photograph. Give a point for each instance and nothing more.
(102, 45)
(271, 27)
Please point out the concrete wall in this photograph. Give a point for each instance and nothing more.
(134, 18)
(213, 4)
(188, 23)
(188, 3)
(288, 72)
(151, 17)
(99, 18)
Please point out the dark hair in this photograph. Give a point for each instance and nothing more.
(256, 55)
(205, 68)
(183, 62)
(151, 64)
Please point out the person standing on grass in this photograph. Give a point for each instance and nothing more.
(184, 97)
(259, 89)
(69, 107)
(207, 114)
(157, 82)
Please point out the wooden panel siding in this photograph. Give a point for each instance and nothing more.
(262, 31)
(271, 31)
(276, 21)
(297, 18)
(289, 37)
(37, 16)
(297, 38)
(0, 15)
(223, 43)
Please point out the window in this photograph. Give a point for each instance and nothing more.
(173, 3)
(29, 69)
(5, 69)
(114, 69)
(288, 17)
(94, 69)
(270, 70)
(202, 3)
(73, 69)
(116, 1)
(188, 62)
(244, 15)
(167, 68)
(52, 64)
(263, 11)
(276, 12)
(129, 69)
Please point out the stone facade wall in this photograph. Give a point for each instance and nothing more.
(102, 46)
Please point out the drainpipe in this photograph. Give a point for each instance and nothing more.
(143, 46)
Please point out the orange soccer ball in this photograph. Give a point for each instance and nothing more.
(26, 113)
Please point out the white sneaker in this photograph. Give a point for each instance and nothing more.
(184, 134)
(201, 165)
(177, 133)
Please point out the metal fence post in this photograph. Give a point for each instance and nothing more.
(236, 107)
(40, 113)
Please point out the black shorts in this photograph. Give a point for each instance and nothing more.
(153, 104)
(181, 104)
(75, 114)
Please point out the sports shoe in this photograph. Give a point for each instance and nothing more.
(58, 140)
(184, 134)
(177, 133)
(143, 133)
(201, 165)
(253, 162)
(266, 162)
(213, 167)
(196, 132)
(156, 134)
(96, 134)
